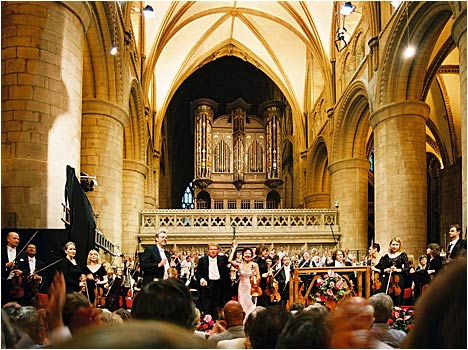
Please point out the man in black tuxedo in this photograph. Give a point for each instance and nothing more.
(154, 261)
(10, 264)
(213, 276)
(457, 245)
(32, 280)
(283, 277)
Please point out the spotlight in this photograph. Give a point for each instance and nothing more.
(347, 8)
(148, 12)
(114, 50)
(410, 51)
(87, 182)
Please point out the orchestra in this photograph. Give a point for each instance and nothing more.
(114, 285)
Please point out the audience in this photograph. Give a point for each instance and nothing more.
(266, 327)
(383, 306)
(165, 300)
(234, 317)
(307, 329)
(137, 335)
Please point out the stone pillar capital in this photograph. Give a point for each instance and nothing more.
(105, 108)
(399, 109)
(347, 164)
(133, 165)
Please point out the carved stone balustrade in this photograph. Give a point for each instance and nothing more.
(252, 227)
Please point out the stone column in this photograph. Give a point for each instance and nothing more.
(348, 183)
(102, 156)
(459, 36)
(133, 202)
(42, 63)
(400, 174)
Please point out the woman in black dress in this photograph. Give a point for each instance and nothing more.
(96, 277)
(392, 267)
(72, 272)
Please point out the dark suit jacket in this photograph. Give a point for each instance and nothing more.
(19, 260)
(459, 249)
(149, 261)
(202, 268)
(283, 287)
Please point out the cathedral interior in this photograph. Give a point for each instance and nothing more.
(320, 123)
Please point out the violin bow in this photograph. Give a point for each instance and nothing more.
(388, 283)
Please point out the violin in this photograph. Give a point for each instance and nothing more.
(16, 287)
(271, 288)
(376, 283)
(394, 285)
(255, 289)
(99, 299)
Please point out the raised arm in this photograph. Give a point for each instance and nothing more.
(233, 251)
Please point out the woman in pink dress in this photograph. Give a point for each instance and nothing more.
(249, 277)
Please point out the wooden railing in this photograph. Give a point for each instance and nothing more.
(362, 277)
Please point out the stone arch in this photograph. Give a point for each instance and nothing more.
(352, 127)
(318, 176)
(400, 78)
(102, 74)
(134, 132)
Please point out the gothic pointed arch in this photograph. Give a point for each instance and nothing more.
(136, 130)
(417, 23)
(352, 126)
(102, 72)
(317, 178)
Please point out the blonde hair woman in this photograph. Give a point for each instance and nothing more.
(96, 277)
(393, 266)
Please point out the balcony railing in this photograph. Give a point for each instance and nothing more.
(252, 225)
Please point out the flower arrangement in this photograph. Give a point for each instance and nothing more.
(206, 324)
(402, 319)
(331, 288)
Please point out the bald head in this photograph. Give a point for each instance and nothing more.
(13, 239)
(233, 313)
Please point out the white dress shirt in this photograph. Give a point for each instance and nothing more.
(213, 272)
(11, 253)
(32, 264)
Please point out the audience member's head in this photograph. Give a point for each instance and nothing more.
(296, 307)
(308, 329)
(351, 322)
(440, 312)
(266, 326)
(165, 300)
(383, 306)
(77, 312)
(233, 313)
(137, 335)
(124, 314)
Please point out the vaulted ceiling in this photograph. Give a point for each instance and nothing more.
(284, 39)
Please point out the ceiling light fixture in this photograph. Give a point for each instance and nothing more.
(340, 41)
(149, 12)
(347, 8)
(410, 50)
(114, 50)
